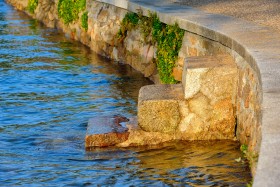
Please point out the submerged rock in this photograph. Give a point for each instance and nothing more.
(106, 131)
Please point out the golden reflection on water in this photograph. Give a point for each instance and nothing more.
(182, 163)
(198, 162)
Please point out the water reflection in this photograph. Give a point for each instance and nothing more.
(176, 164)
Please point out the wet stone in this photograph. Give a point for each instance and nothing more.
(106, 131)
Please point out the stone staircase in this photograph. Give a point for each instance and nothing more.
(201, 108)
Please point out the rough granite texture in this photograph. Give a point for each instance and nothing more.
(139, 137)
(199, 110)
(158, 108)
(210, 85)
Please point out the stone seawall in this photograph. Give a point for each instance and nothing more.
(103, 25)
(255, 51)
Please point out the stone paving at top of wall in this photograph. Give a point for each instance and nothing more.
(258, 45)
(263, 12)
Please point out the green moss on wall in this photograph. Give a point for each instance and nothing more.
(129, 22)
(69, 10)
(167, 38)
(169, 42)
(85, 20)
(32, 5)
(250, 156)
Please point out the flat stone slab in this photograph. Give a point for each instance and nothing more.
(161, 92)
(195, 62)
(106, 131)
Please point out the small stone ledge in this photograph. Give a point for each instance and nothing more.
(161, 92)
(158, 108)
(106, 131)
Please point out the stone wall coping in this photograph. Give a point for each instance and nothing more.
(258, 45)
(118, 3)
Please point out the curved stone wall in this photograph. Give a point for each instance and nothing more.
(255, 50)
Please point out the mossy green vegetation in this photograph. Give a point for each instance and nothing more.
(128, 23)
(85, 20)
(32, 5)
(169, 42)
(250, 184)
(69, 10)
(167, 38)
(244, 149)
(248, 156)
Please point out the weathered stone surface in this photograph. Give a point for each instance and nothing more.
(215, 77)
(193, 126)
(177, 73)
(159, 115)
(192, 81)
(140, 55)
(158, 108)
(106, 131)
(200, 105)
(223, 120)
(199, 116)
(210, 91)
(220, 83)
(139, 137)
(148, 53)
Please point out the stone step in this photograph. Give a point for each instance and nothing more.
(158, 107)
(211, 75)
(202, 108)
(106, 131)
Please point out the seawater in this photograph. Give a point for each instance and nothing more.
(50, 86)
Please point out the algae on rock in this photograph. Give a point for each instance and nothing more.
(167, 38)
(69, 10)
(32, 5)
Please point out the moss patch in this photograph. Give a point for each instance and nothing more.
(128, 23)
(69, 10)
(250, 156)
(32, 5)
(85, 20)
(169, 43)
(168, 39)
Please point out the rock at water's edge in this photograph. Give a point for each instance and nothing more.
(106, 131)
